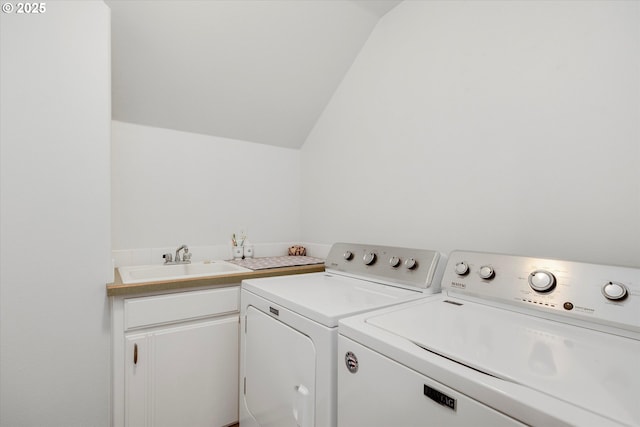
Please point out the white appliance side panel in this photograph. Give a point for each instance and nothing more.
(385, 393)
(280, 370)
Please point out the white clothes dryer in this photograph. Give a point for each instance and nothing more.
(510, 341)
(289, 328)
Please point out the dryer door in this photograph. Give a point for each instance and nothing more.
(279, 373)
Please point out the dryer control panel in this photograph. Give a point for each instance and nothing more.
(419, 269)
(600, 294)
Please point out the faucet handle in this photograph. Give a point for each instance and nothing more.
(186, 257)
(167, 258)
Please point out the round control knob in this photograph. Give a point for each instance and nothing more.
(411, 263)
(542, 281)
(348, 255)
(369, 258)
(462, 268)
(486, 272)
(394, 261)
(614, 291)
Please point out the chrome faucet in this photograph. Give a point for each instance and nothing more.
(177, 258)
(186, 256)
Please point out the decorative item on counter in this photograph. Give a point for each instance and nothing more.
(235, 242)
(238, 252)
(297, 250)
(239, 248)
(248, 251)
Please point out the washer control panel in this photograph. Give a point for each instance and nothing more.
(608, 295)
(419, 269)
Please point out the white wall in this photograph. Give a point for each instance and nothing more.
(171, 187)
(496, 126)
(54, 221)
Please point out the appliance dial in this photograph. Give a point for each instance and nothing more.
(411, 263)
(542, 281)
(369, 258)
(348, 255)
(486, 272)
(614, 291)
(462, 268)
(394, 261)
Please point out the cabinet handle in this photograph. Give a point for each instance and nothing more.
(135, 354)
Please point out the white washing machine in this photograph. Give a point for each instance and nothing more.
(289, 328)
(509, 341)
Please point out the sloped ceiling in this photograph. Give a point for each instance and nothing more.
(254, 70)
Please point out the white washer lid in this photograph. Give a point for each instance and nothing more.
(590, 369)
(326, 297)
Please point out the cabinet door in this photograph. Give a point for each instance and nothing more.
(183, 376)
(194, 378)
(136, 391)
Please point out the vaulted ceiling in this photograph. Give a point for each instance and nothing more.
(254, 70)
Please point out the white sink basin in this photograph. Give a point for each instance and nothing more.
(154, 273)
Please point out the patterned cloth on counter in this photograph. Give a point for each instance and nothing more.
(276, 261)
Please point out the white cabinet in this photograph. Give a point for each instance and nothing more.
(176, 359)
